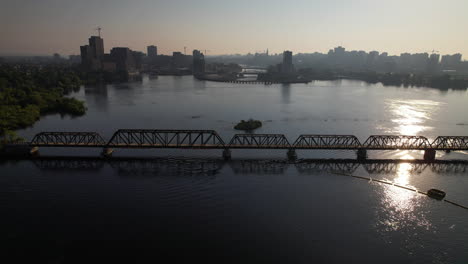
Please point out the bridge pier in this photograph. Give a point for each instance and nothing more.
(226, 154)
(107, 152)
(429, 155)
(361, 154)
(292, 154)
(34, 151)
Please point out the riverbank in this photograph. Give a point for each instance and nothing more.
(438, 81)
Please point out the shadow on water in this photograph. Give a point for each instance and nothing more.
(203, 166)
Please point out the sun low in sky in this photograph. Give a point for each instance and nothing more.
(32, 27)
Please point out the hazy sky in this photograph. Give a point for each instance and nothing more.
(235, 26)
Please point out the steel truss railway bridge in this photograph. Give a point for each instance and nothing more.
(210, 139)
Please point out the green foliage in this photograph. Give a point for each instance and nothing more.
(27, 92)
(9, 137)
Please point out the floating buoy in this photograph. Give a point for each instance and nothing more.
(436, 194)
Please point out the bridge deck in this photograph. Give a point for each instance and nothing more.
(215, 146)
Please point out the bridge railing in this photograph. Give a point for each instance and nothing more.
(258, 141)
(327, 142)
(159, 138)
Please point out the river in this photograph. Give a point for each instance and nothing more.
(257, 208)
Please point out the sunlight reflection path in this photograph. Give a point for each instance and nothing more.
(410, 116)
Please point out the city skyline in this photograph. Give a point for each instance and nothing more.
(302, 26)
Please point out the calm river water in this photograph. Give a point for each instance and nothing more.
(190, 205)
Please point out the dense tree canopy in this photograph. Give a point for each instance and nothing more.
(27, 92)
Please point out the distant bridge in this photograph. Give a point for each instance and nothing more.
(210, 139)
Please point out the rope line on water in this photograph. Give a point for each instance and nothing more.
(396, 185)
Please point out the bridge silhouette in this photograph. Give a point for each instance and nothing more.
(210, 139)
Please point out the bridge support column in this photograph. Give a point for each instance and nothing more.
(34, 151)
(362, 154)
(429, 155)
(226, 154)
(292, 154)
(107, 152)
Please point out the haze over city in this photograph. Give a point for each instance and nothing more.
(215, 131)
(229, 27)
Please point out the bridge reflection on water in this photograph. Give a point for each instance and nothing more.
(200, 166)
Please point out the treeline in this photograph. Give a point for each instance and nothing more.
(27, 92)
(439, 81)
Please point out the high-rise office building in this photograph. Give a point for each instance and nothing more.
(198, 63)
(287, 66)
(92, 54)
(152, 51)
(123, 58)
(451, 61)
(97, 46)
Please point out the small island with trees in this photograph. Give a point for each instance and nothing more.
(248, 125)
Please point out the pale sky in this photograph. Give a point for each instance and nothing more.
(42, 27)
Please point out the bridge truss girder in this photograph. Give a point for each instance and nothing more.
(327, 142)
(259, 141)
(451, 143)
(68, 139)
(158, 138)
(396, 142)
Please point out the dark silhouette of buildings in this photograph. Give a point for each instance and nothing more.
(152, 51)
(123, 59)
(287, 65)
(451, 62)
(120, 59)
(92, 54)
(198, 63)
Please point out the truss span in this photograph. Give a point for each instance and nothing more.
(327, 142)
(450, 143)
(259, 141)
(383, 142)
(157, 138)
(68, 139)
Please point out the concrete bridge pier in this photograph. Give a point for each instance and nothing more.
(107, 152)
(34, 151)
(226, 154)
(361, 154)
(429, 155)
(292, 154)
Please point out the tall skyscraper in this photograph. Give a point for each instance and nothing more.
(198, 63)
(287, 66)
(92, 54)
(97, 46)
(152, 51)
